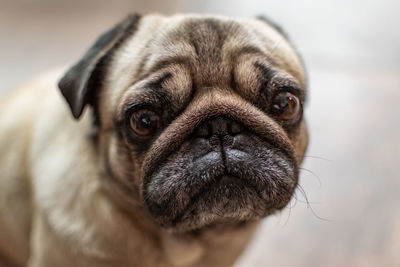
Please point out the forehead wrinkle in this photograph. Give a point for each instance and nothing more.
(251, 53)
(169, 51)
(280, 50)
(180, 85)
(210, 49)
(245, 50)
(172, 72)
(266, 71)
(208, 37)
(167, 63)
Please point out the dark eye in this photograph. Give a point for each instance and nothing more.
(144, 122)
(285, 106)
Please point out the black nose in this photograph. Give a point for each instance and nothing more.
(218, 126)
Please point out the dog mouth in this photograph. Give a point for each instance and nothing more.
(222, 189)
(194, 189)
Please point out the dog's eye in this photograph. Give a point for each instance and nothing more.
(285, 106)
(144, 122)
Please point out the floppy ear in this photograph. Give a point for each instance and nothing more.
(80, 84)
(273, 24)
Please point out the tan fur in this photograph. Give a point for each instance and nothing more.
(56, 210)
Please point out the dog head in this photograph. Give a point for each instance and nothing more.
(200, 118)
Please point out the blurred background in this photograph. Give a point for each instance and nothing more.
(351, 175)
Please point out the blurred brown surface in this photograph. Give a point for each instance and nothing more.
(350, 176)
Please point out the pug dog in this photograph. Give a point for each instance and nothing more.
(193, 133)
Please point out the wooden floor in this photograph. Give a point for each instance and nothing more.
(351, 177)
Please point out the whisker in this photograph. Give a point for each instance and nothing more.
(313, 174)
(302, 191)
(318, 157)
(290, 206)
(305, 202)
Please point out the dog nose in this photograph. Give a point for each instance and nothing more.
(218, 126)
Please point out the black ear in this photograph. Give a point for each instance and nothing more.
(273, 24)
(79, 85)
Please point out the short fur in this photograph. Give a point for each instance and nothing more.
(89, 192)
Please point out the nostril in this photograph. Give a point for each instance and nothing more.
(234, 128)
(205, 131)
(218, 127)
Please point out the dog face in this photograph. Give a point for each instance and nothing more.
(199, 118)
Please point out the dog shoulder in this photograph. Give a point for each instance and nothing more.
(36, 135)
(20, 111)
